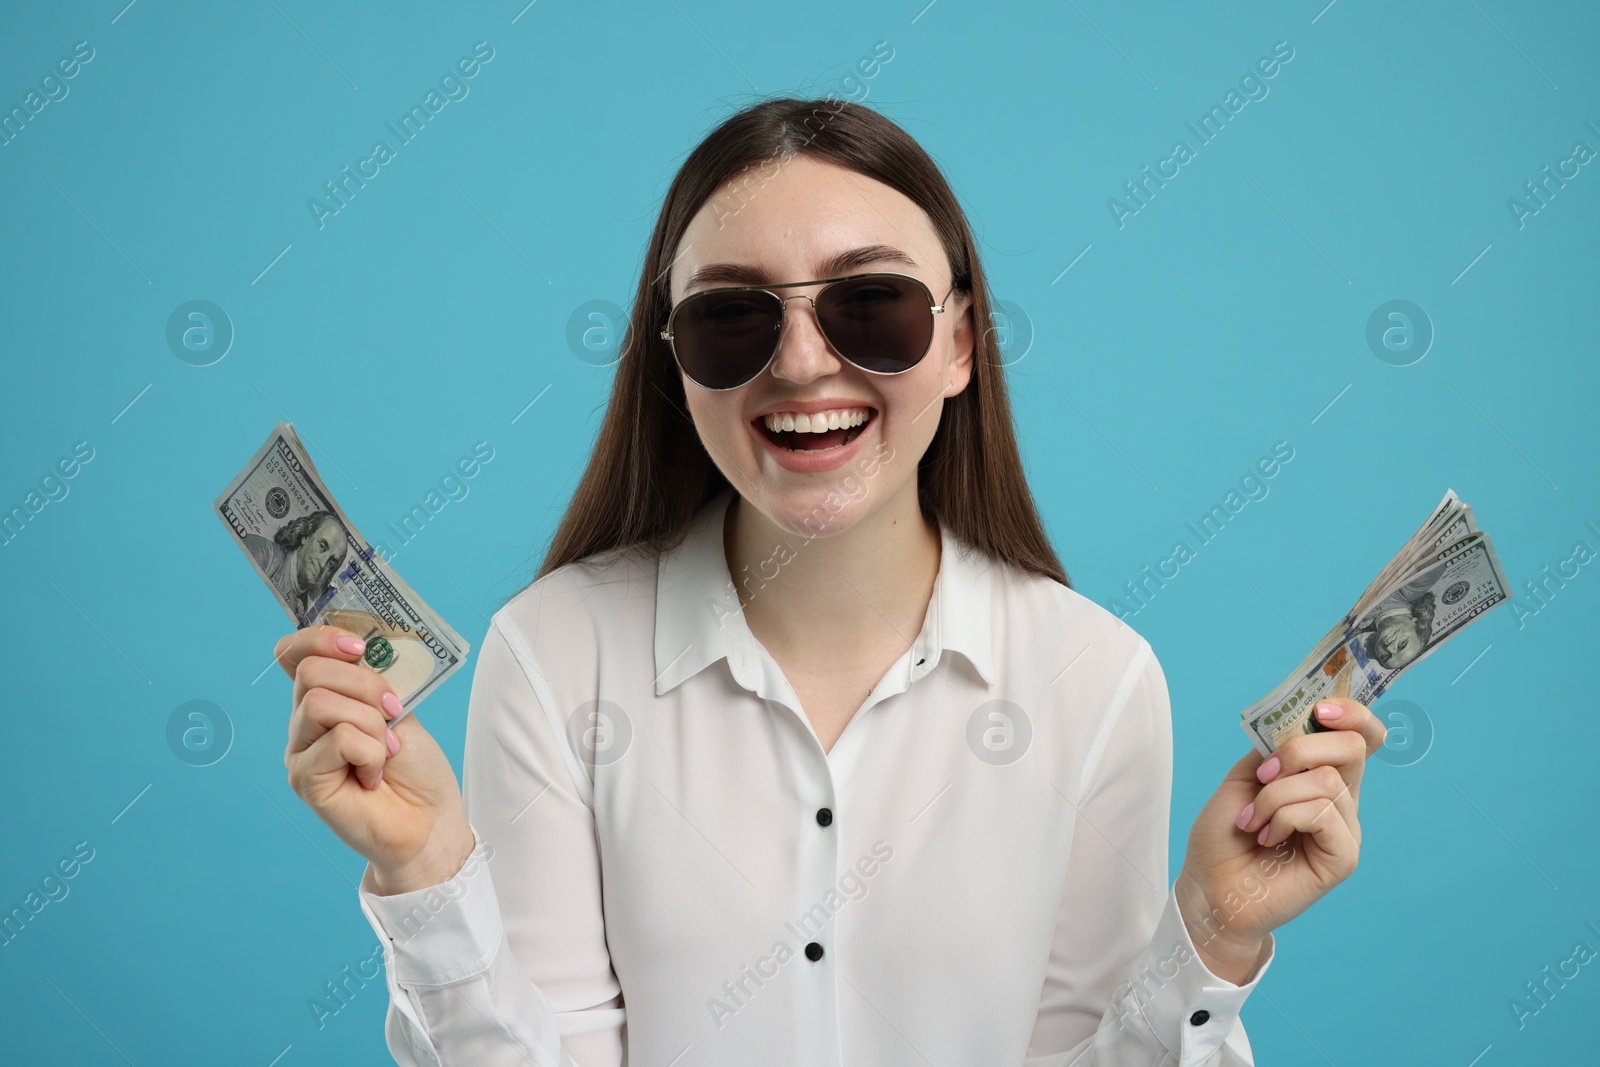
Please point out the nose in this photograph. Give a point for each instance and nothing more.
(804, 354)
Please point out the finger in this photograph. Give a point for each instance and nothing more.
(330, 641)
(1342, 713)
(1245, 769)
(354, 680)
(320, 710)
(345, 746)
(1343, 750)
(1317, 819)
(1319, 783)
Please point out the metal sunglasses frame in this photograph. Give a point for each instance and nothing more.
(783, 318)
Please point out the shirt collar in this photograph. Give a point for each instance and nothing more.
(698, 612)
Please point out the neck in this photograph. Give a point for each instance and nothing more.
(869, 586)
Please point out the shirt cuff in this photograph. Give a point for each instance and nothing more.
(442, 934)
(1190, 1010)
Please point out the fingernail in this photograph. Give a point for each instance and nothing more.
(1261, 838)
(376, 782)
(1244, 816)
(392, 741)
(351, 645)
(1269, 770)
(391, 705)
(1329, 712)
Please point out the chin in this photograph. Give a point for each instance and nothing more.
(818, 511)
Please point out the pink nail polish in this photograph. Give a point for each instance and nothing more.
(392, 741)
(1329, 712)
(391, 705)
(1244, 816)
(1261, 838)
(376, 782)
(1269, 770)
(351, 645)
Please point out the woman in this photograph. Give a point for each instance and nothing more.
(801, 749)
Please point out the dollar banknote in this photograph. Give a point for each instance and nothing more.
(1446, 577)
(322, 570)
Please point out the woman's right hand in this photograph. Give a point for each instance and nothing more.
(390, 794)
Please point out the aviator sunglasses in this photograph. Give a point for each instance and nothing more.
(879, 322)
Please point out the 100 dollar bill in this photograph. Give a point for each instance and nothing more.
(1439, 587)
(322, 570)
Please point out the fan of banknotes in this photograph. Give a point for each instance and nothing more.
(322, 570)
(1445, 577)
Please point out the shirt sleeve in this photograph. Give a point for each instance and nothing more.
(1124, 985)
(506, 963)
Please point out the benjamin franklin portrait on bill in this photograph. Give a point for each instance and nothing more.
(301, 559)
(1399, 626)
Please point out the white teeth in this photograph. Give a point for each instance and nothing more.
(819, 422)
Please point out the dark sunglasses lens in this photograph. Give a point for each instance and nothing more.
(880, 324)
(724, 339)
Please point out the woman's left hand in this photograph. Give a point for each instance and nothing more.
(1275, 837)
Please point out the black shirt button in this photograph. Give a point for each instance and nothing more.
(824, 816)
(813, 952)
(1200, 1018)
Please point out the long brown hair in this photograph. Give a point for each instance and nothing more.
(649, 472)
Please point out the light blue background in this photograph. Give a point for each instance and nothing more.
(1226, 315)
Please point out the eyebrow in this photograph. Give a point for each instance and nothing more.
(833, 266)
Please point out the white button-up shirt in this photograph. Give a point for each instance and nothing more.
(671, 871)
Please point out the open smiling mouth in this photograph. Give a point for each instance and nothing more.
(803, 434)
